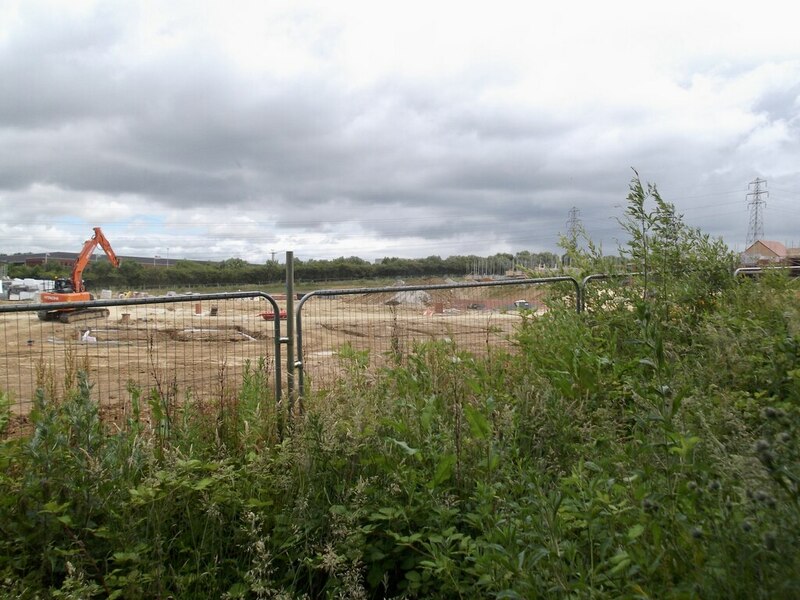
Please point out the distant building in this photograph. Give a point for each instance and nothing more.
(768, 252)
(39, 258)
(67, 259)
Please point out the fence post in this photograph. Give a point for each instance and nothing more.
(290, 330)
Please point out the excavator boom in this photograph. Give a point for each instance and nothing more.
(86, 255)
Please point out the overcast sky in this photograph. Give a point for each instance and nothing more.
(199, 129)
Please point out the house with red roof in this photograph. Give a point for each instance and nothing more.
(768, 252)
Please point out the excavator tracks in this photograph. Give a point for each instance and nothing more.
(73, 316)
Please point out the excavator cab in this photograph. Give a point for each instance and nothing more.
(63, 286)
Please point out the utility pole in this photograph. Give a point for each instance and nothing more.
(290, 359)
(756, 199)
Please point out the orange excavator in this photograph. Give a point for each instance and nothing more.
(73, 290)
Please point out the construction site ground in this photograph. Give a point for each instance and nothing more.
(198, 351)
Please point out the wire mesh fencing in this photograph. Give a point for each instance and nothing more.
(377, 326)
(203, 347)
(184, 348)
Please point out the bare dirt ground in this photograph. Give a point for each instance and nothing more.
(198, 350)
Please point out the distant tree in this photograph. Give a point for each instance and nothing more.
(233, 263)
(132, 273)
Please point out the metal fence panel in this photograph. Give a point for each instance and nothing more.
(185, 347)
(792, 270)
(381, 324)
(197, 346)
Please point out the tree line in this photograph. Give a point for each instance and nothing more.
(134, 275)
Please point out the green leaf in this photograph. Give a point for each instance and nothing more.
(126, 557)
(54, 508)
(635, 531)
(203, 484)
(647, 362)
(413, 576)
(444, 470)
(621, 561)
(256, 503)
(404, 447)
(590, 466)
(238, 590)
(478, 423)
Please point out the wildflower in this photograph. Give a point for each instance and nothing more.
(330, 560)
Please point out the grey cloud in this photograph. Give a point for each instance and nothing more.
(184, 130)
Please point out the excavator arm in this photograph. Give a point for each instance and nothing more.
(72, 290)
(86, 255)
